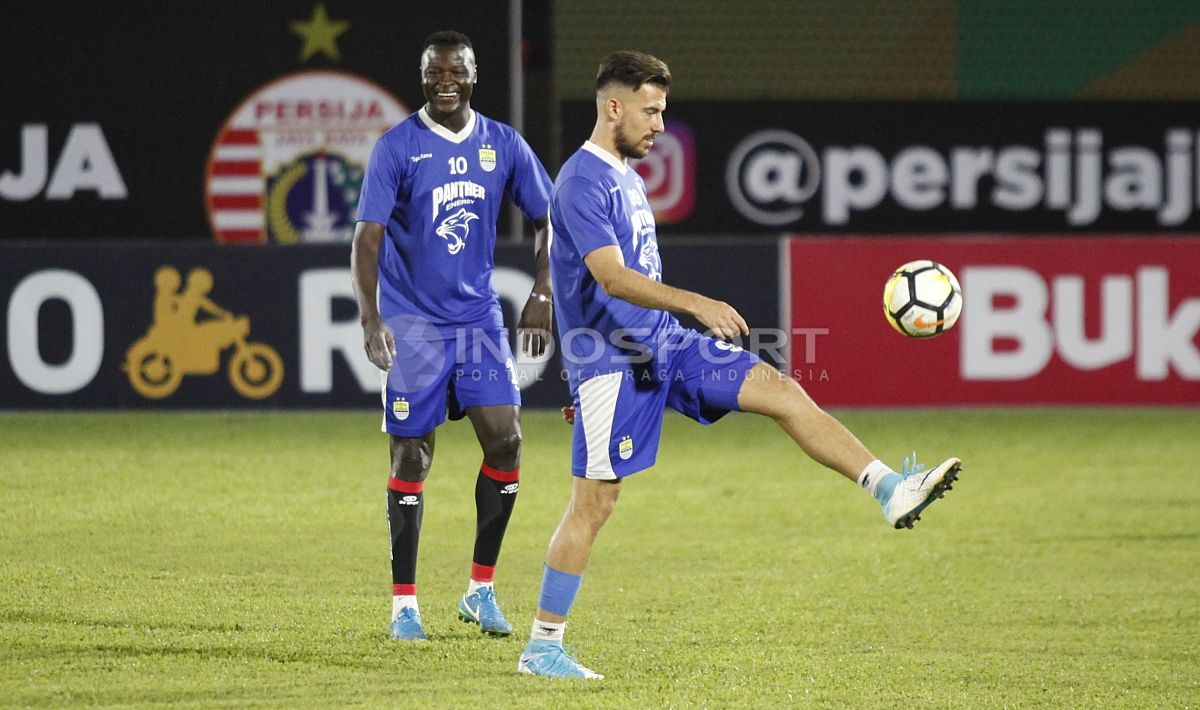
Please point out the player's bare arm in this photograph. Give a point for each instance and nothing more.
(378, 340)
(537, 317)
(608, 268)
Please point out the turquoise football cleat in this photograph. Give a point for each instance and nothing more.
(480, 607)
(407, 626)
(917, 489)
(551, 660)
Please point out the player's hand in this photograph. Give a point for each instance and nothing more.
(537, 319)
(568, 414)
(721, 318)
(380, 344)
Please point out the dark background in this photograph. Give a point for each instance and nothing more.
(162, 78)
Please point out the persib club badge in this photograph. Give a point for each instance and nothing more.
(487, 159)
(400, 409)
(625, 448)
(287, 166)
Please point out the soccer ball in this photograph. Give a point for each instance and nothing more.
(922, 299)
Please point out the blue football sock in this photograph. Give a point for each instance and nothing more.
(558, 591)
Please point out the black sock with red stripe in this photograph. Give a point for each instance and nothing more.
(405, 506)
(495, 496)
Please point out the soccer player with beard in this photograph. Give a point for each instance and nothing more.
(422, 264)
(628, 358)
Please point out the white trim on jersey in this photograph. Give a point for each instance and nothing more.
(444, 132)
(383, 396)
(606, 156)
(598, 407)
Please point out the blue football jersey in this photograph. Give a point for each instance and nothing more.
(438, 195)
(600, 201)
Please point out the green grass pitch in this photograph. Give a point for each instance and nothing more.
(240, 559)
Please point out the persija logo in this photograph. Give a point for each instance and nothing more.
(669, 170)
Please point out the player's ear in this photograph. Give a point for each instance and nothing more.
(613, 108)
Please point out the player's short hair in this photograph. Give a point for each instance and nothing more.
(632, 69)
(446, 38)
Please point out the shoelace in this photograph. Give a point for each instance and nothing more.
(910, 467)
(407, 614)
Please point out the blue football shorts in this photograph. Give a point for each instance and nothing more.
(434, 374)
(618, 415)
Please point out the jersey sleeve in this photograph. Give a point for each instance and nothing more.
(530, 186)
(582, 207)
(380, 184)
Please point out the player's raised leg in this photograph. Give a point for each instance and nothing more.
(591, 504)
(827, 441)
(499, 431)
(411, 459)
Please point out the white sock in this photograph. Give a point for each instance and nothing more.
(872, 475)
(548, 631)
(472, 586)
(401, 601)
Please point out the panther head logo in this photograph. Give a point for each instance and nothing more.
(649, 259)
(455, 228)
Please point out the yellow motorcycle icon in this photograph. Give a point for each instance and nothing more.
(179, 344)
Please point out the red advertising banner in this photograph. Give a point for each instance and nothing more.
(1045, 320)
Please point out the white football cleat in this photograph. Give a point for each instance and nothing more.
(917, 489)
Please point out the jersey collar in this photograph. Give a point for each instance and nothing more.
(444, 132)
(619, 165)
